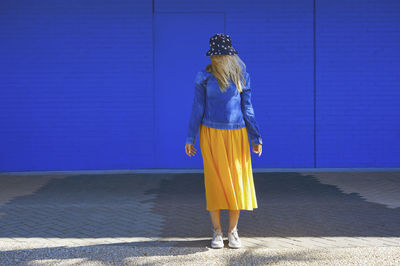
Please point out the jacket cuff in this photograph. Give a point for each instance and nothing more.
(256, 141)
(190, 140)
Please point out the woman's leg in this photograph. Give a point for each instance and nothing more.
(233, 219)
(216, 219)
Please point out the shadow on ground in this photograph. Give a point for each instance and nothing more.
(289, 205)
(174, 205)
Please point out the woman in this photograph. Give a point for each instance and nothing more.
(223, 115)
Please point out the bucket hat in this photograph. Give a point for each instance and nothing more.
(221, 44)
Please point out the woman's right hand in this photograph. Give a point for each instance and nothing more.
(190, 150)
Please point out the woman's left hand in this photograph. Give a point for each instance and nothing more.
(257, 149)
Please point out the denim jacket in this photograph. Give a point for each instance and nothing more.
(224, 110)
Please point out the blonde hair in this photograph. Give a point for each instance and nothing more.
(227, 68)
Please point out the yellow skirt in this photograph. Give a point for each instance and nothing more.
(228, 175)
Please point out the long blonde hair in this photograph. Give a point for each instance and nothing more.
(227, 68)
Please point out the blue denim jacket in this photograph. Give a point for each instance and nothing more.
(223, 110)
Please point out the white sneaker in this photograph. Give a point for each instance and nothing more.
(217, 241)
(234, 240)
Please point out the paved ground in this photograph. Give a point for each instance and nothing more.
(304, 218)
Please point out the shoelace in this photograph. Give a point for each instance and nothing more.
(235, 234)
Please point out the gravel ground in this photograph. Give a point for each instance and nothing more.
(120, 255)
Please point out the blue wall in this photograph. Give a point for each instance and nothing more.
(76, 85)
(109, 85)
(358, 83)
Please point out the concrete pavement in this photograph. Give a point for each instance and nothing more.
(160, 218)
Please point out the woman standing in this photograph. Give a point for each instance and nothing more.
(223, 116)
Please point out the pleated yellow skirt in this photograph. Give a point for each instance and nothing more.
(228, 174)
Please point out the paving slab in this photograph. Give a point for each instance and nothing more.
(304, 218)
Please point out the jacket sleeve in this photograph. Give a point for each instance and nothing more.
(248, 112)
(198, 107)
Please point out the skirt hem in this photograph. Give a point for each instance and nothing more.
(243, 209)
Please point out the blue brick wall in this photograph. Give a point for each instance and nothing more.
(81, 87)
(76, 85)
(358, 83)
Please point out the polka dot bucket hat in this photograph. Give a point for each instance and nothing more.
(220, 44)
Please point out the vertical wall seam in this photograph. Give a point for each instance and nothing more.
(225, 29)
(154, 89)
(315, 84)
